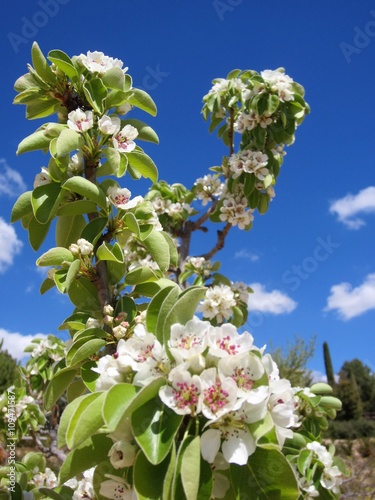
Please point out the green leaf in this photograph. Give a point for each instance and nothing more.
(22, 207)
(45, 200)
(40, 64)
(68, 229)
(55, 257)
(152, 489)
(40, 108)
(145, 132)
(267, 475)
(139, 275)
(321, 389)
(154, 427)
(37, 233)
(184, 309)
(83, 349)
(46, 285)
(93, 451)
(140, 99)
(95, 93)
(34, 142)
(85, 188)
(272, 103)
(76, 389)
(126, 304)
(94, 229)
(68, 141)
(116, 403)
(112, 165)
(173, 252)
(63, 62)
(77, 207)
(89, 377)
(143, 164)
(84, 295)
(190, 469)
(58, 385)
(159, 307)
(114, 78)
(72, 273)
(304, 461)
(87, 422)
(59, 278)
(158, 247)
(110, 252)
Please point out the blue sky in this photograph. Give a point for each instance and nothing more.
(310, 259)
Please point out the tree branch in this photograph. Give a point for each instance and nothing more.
(221, 235)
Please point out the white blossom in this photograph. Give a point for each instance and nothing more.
(85, 489)
(109, 373)
(97, 62)
(109, 125)
(42, 178)
(84, 247)
(218, 394)
(80, 121)
(120, 198)
(47, 479)
(75, 165)
(183, 395)
(117, 488)
(122, 454)
(123, 140)
(218, 303)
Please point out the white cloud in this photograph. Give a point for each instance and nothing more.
(11, 182)
(10, 245)
(245, 254)
(15, 343)
(273, 302)
(351, 302)
(318, 376)
(351, 205)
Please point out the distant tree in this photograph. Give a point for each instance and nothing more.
(328, 365)
(365, 381)
(7, 369)
(348, 392)
(292, 361)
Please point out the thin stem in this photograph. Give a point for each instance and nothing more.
(221, 235)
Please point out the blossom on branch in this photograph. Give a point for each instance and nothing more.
(123, 140)
(80, 121)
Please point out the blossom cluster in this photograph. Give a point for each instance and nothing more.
(213, 373)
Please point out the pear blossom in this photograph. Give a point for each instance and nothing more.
(208, 187)
(80, 121)
(75, 165)
(221, 482)
(120, 198)
(85, 487)
(183, 396)
(187, 341)
(92, 323)
(218, 302)
(124, 108)
(117, 488)
(234, 210)
(97, 62)
(123, 140)
(218, 394)
(47, 478)
(109, 373)
(224, 340)
(122, 454)
(109, 125)
(83, 247)
(245, 369)
(281, 406)
(236, 443)
(279, 82)
(42, 178)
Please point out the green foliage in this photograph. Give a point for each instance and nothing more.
(328, 365)
(8, 367)
(293, 360)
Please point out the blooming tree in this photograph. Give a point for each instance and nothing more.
(167, 396)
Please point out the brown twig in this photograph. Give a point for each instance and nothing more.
(221, 235)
